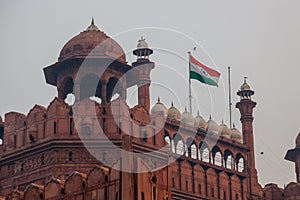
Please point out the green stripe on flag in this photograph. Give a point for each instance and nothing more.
(202, 79)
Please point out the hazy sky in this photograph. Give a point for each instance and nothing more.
(258, 39)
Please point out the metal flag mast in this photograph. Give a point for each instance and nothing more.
(229, 96)
(190, 87)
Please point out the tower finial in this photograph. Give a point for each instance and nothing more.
(172, 104)
(92, 20)
(210, 116)
(158, 99)
(198, 113)
(245, 79)
(233, 125)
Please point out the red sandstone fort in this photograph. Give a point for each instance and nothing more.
(60, 152)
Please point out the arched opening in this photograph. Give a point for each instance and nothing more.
(217, 156)
(113, 87)
(90, 86)
(204, 152)
(191, 148)
(194, 151)
(240, 163)
(167, 140)
(179, 144)
(66, 88)
(229, 161)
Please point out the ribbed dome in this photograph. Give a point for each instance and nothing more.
(236, 134)
(159, 108)
(245, 85)
(199, 122)
(92, 43)
(212, 126)
(142, 44)
(187, 118)
(173, 113)
(224, 130)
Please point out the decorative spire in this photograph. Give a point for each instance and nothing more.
(92, 27)
(233, 125)
(198, 113)
(172, 104)
(210, 117)
(222, 121)
(158, 99)
(245, 79)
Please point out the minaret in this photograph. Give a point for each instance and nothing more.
(246, 105)
(294, 156)
(144, 66)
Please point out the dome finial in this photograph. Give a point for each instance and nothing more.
(198, 113)
(172, 104)
(158, 99)
(92, 27)
(185, 109)
(233, 125)
(222, 121)
(210, 116)
(245, 79)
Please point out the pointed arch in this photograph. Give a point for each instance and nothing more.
(34, 191)
(179, 144)
(199, 180)
(204, 152)
(75, 184)
(217, 156)
(54, 189)
(229, 159)
(240, 162)
(167, 139)
(212, 183)
(90, 86)
(224, 186)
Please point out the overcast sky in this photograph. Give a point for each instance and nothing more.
(258, 39)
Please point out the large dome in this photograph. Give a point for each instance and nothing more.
(92, 43)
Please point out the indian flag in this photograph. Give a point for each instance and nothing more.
(203, 73)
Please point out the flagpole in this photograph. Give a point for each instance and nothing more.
(190, 87)
(229, 96)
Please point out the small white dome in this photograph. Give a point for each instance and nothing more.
(199, 122)
(245, 85)
(173, 113)
(187, 118)
(236, 135)
(224, 130)
(212, 126)
(159, 108)
(142, 44)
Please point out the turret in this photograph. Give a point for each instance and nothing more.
(144, 67)
(246, 106)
